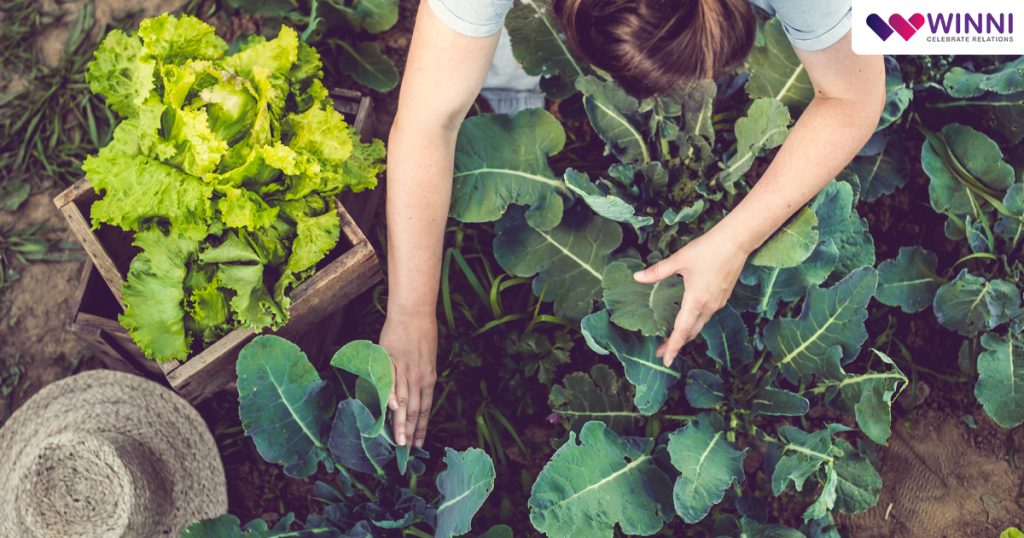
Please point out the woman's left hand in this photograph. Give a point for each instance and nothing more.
(710, 266)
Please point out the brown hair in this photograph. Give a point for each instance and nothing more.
(651, 46)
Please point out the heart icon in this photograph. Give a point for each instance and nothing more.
(906, 28)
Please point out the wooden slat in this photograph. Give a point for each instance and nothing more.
(91, 244)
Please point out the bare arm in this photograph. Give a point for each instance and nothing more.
(443, 76)
(849, 96)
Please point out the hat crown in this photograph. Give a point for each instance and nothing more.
(97, 484)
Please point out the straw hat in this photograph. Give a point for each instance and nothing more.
(106, 454)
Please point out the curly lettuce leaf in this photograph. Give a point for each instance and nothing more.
(138, 190)
(154, 295)
(199, 149)
(209, 312)
(363, 166)
(316, 131)
(121, 73)
(244, 209)
(315, 237)
(252, 305)
(175, 39)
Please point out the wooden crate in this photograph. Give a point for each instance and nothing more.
(350, 269)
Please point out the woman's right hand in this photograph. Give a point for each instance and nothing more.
(411, 342)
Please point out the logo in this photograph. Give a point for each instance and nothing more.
(905, 27)
(989, 27)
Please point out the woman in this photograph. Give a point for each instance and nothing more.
(648, 46)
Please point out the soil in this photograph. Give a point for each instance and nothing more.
(34, 345)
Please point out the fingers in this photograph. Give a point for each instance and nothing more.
(392, 400)
(401, 411)
(656, 273)
(412, 417)
(426, 403)
(683, 329)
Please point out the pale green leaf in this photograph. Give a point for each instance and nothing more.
(772, 401)
(600, 395)
(958, 157)
(728, 339)
(764, 127)
(643, 369)
(909, 280)
(1000, 387)
(501, 160)
(604, 204)
(634, 306)
(465, 484)
(568, 260)
(775, 70)
(589, 487)
(284, 405)
(830, 317)
(708, 465)
(614, 114)
(352, 444)
(372, 363)
(791, 244)
(969, 304)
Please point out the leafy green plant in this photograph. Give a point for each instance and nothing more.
(292, 416)
(225, 166)
(325, 20)
(790, 340)
(977, 184)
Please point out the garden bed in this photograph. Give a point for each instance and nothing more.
(351, 268)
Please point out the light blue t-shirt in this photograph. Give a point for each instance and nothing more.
(810, 24)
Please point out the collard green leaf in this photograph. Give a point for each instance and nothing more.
(830, 317)
(568, 260)
(704, 389)
(587, 488)
(614, 115)
(538, 43)
(377, 16)
(775, 70)
(803, 454)
(497, 531)
(754, 529)
(839, 222)
(970, 304)
(772, 401)
(640, 307)
(284, 405)
(644, 370)
(765, 127)
(1010, 227)
(961, 162)
(728, 340)
(352, 443)
(858, 483)
(372, 363)
(604, 204)
(464, 485)
(791, 244)
(870, 394)
(501, 160)
(761, 289)
(708, 465)
(1000, 387)
(600, 395)
(826, 499)
(897, 94)
(880, 174)
(1004, 80)
(697, 135)
(365, 63)
(153, 295)
(908, 280)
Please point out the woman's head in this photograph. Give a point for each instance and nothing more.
(651, 46)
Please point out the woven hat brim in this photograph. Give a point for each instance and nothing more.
(105, 401)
